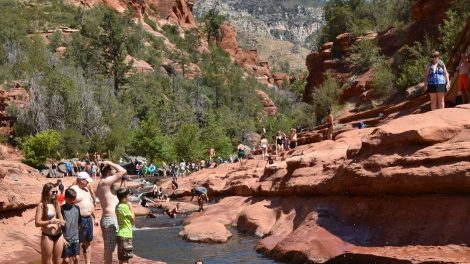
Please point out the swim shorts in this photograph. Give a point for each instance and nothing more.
(463, 82)
(109, 227)
(125, 249)
(73, 249)
(86, 231)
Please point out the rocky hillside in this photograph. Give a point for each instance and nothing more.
(262, 24)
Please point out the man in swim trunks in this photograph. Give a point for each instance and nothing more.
(202, 196)
(85, 202)
(111, 174)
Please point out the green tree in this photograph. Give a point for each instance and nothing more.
(40, 147)
(72, 143)
(212, 22)
(214, 135)
(187, 143)
(148, 141)
(113, 41)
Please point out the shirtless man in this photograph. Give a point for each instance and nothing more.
(86, 204)
(111, 174)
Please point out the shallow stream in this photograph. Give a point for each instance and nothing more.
(157, 239)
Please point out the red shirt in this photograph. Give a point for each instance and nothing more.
(61, 198)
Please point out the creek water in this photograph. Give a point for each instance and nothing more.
(157, 239)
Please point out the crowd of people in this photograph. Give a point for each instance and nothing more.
(67, 219)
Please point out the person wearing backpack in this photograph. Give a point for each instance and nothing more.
(436, 81)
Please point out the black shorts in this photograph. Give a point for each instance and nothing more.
(437, 88)
(125, 249)
(86, 230)
(73, 249)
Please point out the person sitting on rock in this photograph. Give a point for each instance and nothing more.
(173, 212)
(202, 196)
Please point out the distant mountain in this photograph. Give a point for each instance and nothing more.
(267, 24)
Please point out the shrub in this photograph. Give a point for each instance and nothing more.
(411, 63)
(383, 81)
(454, 23)
(365, 55)
(40, 147)
(326, 96)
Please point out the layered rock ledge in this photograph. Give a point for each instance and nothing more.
(397, 193)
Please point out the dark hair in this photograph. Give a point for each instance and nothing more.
(105, 169)
(70, 193)
(61, 188)
(199, 261)
(123, 193)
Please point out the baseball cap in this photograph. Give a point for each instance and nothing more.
(84, 176)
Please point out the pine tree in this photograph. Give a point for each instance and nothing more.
(113, 43)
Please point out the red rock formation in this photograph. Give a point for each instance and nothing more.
(248, 59)
(269, 107)
(427, 15)
(168, 11)
(378, 195)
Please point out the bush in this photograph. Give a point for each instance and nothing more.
(326, 96)
(40, 147)
(365, 55)
(359, 16)
(384, 80)
(411, 63)
(456, 18)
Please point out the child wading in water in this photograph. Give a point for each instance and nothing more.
(126, 218)
(72, 218)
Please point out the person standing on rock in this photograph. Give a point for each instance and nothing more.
(49, 218)
(86, 203)
(241, 153)
(202, 196)
(436, 81)
(111, 174)
(211, 154)
(464, 78)
(126, 218)
(264, 146)
(164, 168)
(293, 138)
(279, 143)
(71, 214)
(329, 122)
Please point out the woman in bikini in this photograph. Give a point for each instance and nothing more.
(49, 218)
(279, 142)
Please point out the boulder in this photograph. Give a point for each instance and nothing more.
(257, 219)
(206, 232)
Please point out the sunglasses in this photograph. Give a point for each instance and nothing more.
(55, 192)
